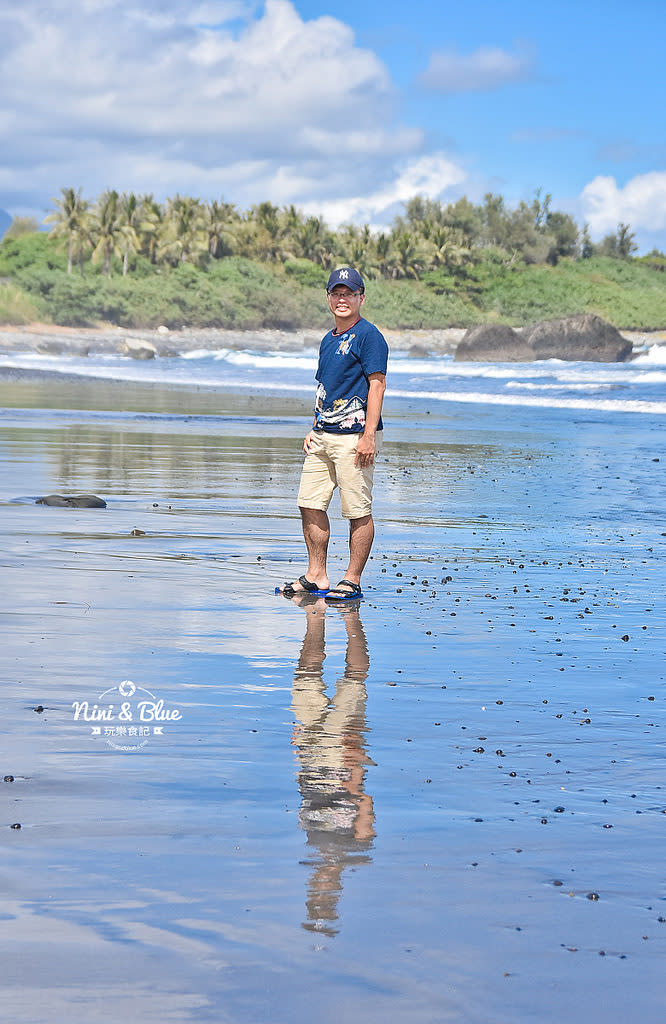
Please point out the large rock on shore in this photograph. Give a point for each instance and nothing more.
(137, 348)
(72, 501)
(493, 343)
(584, 337)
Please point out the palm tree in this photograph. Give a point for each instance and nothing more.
(383, 248)
(450, 248)
(313, 241)
(267, 233)
(407, 258)
(220, 218)
(106, 229)
(184, 233)
(129, 214)
(151, 218)
(360, 249)
(71, 222)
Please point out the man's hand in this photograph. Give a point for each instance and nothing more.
(307, 443)
(365, 450)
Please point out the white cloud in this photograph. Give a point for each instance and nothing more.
(640, 203)
(429, 176)
(163, 76)
(206, 99)
(486, 69)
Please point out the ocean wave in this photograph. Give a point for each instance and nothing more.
(256, 360)
(569, 386)
(655, 356)
(588, 404)
(543, 384)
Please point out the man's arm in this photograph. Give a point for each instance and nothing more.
(365, 450)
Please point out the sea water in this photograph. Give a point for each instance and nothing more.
(638, 386)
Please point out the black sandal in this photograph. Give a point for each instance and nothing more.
(308, 588)
(339, 594)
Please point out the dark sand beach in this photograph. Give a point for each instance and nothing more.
(447, 803)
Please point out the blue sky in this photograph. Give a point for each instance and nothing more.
(344, 109)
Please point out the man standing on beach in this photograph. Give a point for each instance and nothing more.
(346, 435)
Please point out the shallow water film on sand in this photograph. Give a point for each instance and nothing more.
(445, 803)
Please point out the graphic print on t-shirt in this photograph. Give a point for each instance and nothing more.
(345, 342)
(345, 413)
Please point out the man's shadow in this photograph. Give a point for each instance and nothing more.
(329, 738)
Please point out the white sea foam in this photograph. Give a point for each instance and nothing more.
(202, 353)
(655, 356)
(272, 360)
(590, 404)
(256, 360)
(531, 386)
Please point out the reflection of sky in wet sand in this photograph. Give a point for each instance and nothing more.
(274, 859)
(329, 738)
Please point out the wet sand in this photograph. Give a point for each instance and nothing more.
(445, 804)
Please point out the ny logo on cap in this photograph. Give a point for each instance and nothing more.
(343, 273)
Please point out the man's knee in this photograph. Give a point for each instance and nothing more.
(310, 514)
(358, 522)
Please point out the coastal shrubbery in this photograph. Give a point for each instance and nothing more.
(132, 261)
(16, 307)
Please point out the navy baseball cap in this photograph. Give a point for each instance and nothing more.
(348, 276)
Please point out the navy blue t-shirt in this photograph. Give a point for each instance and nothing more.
(345, 363)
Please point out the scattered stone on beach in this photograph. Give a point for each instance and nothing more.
(138, 348)
(584, 337)
(493, 343)
(72, 501)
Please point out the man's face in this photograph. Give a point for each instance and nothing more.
(344, 302)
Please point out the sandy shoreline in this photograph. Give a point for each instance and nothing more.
(50, 340)
(445, 805)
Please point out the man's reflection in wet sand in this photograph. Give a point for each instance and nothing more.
(329, 736)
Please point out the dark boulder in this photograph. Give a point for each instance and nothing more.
(72, 501)
(493, 343)
(418, 352)
(585, 337)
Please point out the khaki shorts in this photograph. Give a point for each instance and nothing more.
(330, 464)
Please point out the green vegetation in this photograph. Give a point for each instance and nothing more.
(16, 307)
(130, 260)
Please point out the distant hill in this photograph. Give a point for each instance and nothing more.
(5, 221)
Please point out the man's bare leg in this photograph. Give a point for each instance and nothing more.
(316, 533)
(361, 536)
